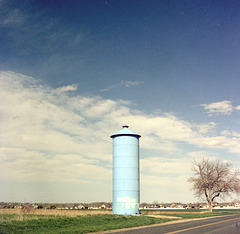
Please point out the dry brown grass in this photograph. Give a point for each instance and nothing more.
(158, 212)
(70, 213)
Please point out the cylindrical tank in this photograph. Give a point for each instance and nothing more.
(126, 184)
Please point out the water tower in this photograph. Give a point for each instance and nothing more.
(126, 184)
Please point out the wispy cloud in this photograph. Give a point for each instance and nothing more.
(13, 17)
(38, 30)
(205, 128)
(67, 88)
(218, 108)
(228, 133)
(109, 88)
(237, 108)
(127, 84)
(130, 83)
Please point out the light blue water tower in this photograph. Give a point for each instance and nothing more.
(126, 183)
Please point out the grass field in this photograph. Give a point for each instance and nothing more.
(32, 223)
(12, 223)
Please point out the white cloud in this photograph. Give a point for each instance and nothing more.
(228, 133)
(232, 144)
(237, 107)
(205, 128)
(67, 88)
(18, 164)
(218, 108)
(49, 135)
(167, 126)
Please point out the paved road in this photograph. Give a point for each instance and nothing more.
(220, 225)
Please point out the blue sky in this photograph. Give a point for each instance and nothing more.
(73, 72)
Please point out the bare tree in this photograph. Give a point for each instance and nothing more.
(214, 179)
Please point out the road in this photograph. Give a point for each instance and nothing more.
(218, 225)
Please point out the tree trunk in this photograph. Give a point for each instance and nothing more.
(210, 200)
(210, 206)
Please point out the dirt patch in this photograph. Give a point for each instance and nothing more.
(164, 217)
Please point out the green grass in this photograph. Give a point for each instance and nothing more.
(189, 215)
(80, 224)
